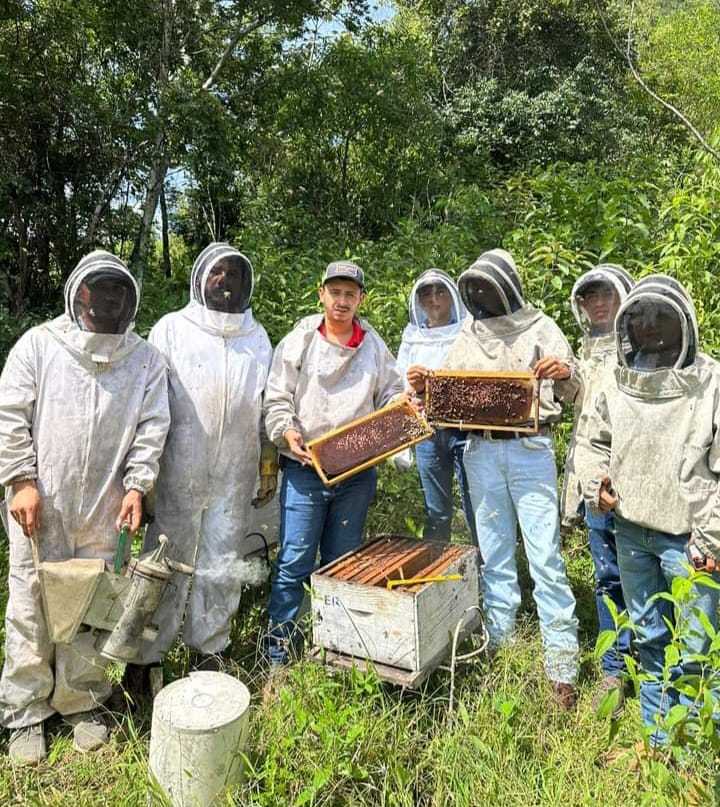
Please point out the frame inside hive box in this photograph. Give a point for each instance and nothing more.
(470, 399)
(407, 626)
(367, 441)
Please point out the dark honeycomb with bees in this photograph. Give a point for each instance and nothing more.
(359, 443)
(475, 400)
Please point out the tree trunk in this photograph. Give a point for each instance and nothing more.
(167, 268)
(153, 189)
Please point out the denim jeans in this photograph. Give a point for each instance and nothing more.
(649, 560)
(437, 459)
(601, 536)
(515, 481)
(312, 518)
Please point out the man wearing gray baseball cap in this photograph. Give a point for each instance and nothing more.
(330, 369)
(344, 269)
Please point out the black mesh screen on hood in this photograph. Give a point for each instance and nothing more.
(491, 287)
(101, 295)
(656, 328)
(222, 279)
(105, 302)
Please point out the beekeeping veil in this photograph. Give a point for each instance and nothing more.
(491, 287)
(607, 276)
(656, 327)
(101, 295)
(434, 278)
(222, 279)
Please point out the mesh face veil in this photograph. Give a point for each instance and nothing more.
(597, 295)
(101, 295)
(656, 326)
(434, 297)
(491, 287)
(222, 279)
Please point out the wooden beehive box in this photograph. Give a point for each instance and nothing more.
(470, 399)
(408, 627)
(367, 441)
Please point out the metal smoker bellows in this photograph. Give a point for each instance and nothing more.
(148, 577)
(81, 591)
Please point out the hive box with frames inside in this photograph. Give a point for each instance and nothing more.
(396, 601)
(471, 399)
(367, 441)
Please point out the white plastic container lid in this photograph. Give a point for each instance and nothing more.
(202, 702)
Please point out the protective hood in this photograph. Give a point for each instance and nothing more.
(101, 296)
(424, 345)
(605, 274)
(656, 327)
(434, 277)
(491, 287)
(229, 291)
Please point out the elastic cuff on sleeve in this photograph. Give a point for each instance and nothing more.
(134, 484)
(707, 547)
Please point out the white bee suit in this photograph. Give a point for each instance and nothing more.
(217, 366)
(85, 415)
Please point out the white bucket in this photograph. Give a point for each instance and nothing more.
(199, 729)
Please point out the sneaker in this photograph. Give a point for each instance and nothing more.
(564, 696)
(610, 683)
(90, 730)
(27, 745)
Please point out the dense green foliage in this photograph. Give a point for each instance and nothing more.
(307, 131)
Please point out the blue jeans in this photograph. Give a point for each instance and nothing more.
(515, 481)
(437, 459)
(649, 560)
(312, 518)
(601, 536)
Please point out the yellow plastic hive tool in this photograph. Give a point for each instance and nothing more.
(411, 581)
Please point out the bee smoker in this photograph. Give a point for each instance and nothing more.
(145, 581)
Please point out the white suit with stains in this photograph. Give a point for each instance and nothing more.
(512, 477)
(85, 415)
(656, 435)
(217, 367)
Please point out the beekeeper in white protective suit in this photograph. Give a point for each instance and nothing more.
(436, 315)
(512, 475)
(83, 419)
(595, 299)
(218, 358)
(655, 441)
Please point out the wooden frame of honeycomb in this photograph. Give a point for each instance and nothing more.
(350, 449)
(474, 399)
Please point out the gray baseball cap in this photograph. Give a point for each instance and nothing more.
(345, 270)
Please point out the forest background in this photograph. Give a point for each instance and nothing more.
(414, 135)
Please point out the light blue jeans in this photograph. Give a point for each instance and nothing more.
(649, 560)
(313, 519)
(515, 481)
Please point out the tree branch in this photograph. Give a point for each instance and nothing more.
(627, 55)
(241, 32)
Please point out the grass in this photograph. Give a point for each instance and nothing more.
(331, 739)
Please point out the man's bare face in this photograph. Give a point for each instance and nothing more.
(341, 299)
